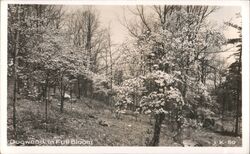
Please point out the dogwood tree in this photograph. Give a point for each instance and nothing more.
(26, 28)
(175, 47)
(129, 93)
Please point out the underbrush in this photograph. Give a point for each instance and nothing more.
(81, 123)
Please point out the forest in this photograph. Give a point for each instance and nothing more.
(168, 84)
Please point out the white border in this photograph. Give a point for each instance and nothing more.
(102, 149)
(131, 2)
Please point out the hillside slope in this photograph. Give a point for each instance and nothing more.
(82, 125)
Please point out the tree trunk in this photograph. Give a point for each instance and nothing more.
(62, 94)
(238, 100)
(46, 103)
(14, 104)
(54, 90)
(157, 129)
(15, 63)
(237, 113)
(223, 109)
(79, 88)
(90, 87)
(46, 96)
(88, 42)
(215, 80)
(179, 133)
(237, 120)
(111, 68)
(46, 113)
(85, 87)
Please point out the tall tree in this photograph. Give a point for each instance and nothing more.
(86, 34)
(27, 28)
(15, 53)
(174, 45)
(234, 74)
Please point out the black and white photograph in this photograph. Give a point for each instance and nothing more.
(158, 75)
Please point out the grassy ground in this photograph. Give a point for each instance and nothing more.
(80, 125)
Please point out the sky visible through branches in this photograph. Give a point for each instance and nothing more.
(110, 14)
